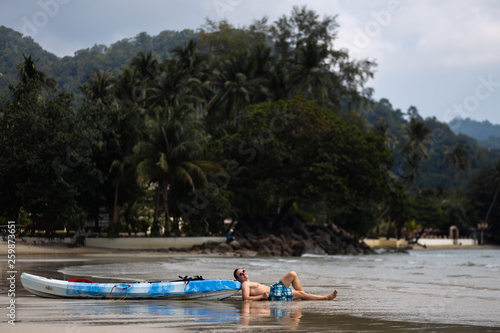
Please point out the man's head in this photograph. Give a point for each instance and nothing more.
(240, 274)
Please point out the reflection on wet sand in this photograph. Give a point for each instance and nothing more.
(287, 314)
(172, 313)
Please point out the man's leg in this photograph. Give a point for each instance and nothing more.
(309, 297)
(293, 279)
(299, 293)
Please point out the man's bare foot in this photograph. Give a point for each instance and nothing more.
(332, 295)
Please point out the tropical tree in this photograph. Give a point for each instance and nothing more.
(188, 58)
(301, 27)
(382, 129)
(99, 87)
(457, 158)
(495, 184)
(310, 75)
(483, 192)
(43, 144)
(128, 88)
(170, 153)
(294, 152)
(170, 87)
(28, 72)
(414, 149)
(234, 84)
(146, 66)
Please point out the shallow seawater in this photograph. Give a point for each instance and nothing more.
(425, 290)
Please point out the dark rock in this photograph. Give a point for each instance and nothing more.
(350, 249)
(276, 240)
(264, 251)
(334, 249)
(235, 245)
(298, 248)
(333, 228)
(312, 248)
(322, 237)
(300, 229)
(250, 236)
(223, 248)
(267, 241)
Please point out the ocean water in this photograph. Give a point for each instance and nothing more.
(423, 290)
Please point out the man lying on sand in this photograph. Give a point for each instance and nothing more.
(279, 291)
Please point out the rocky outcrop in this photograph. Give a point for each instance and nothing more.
(294, 240)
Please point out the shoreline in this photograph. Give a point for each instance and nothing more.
(64, 249)
(442, 296)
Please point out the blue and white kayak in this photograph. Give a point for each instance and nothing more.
(212, 290)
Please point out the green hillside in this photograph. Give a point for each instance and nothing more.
(257, 123)
(71, 72)
(486, 133)
(442, 138)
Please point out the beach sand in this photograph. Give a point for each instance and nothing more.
(64, 249)
(44, 315)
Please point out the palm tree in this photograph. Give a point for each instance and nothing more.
(170, 153)
(382, 129)
(189, 59)
(234, 85)
(495, 183)
(117, 170)
(310, 76)
(457, 158)
(146, 66)
(414, 148)
(99, 87)
(351, 80)
(128, 88)
(171, 87)
(28, 73)
(277, 85)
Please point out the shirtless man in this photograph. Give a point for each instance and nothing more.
(279, 291)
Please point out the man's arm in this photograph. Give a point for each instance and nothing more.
(245, 293)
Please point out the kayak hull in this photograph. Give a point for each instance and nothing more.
(213, 290)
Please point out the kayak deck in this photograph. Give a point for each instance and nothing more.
(175, 290)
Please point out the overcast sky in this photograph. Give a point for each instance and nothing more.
(441, 56)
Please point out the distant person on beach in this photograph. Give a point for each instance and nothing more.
(279, 291)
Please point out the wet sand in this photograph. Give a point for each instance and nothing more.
(80, 316)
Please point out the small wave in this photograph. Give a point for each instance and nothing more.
(469, 264)
(310, 255)
(494, 268)
(287, 260)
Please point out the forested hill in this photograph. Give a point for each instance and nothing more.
(486, 133)
(267, 125)
(71, 72)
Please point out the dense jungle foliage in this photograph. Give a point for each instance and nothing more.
(180, 131)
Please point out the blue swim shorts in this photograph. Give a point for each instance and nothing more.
(280, 293)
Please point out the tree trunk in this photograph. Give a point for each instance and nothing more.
(155, 229)
(389, 228)
(116, 210)
(491, 206)
(165, 207)
(280, 219)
